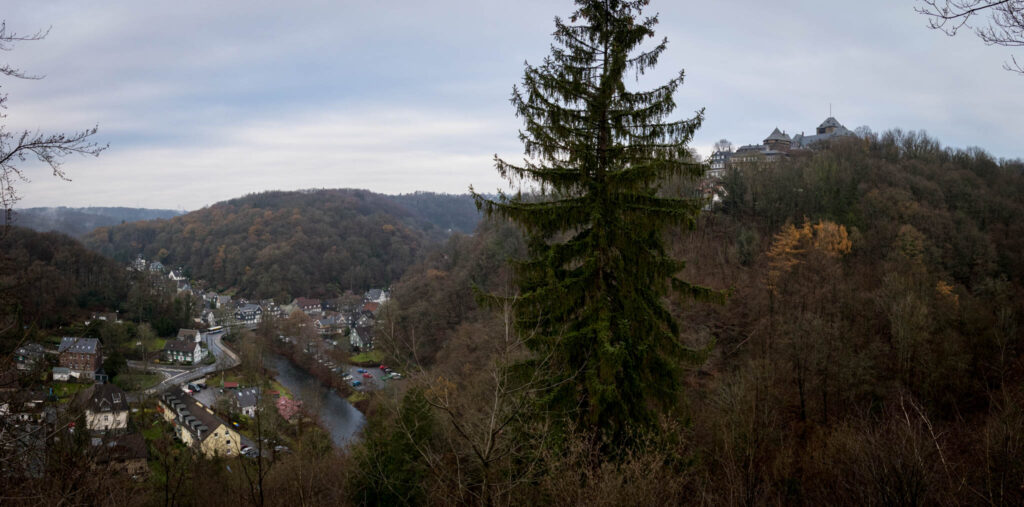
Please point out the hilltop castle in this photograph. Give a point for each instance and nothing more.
(777, 145)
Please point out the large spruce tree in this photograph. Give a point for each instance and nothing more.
(594, 286)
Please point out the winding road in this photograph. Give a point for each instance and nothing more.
(177, 375)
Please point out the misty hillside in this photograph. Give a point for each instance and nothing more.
(287, 244)
(79, 221)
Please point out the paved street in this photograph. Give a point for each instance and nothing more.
(174, 376)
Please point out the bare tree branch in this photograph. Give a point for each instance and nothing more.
(1004, 26)
(17, 147)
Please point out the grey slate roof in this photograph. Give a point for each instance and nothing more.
(802, 141)
(777, 135)
(188, 334)
(247, 397)
(106, 398)
(750, 148)
(123, 448)
(830, 122)
(78, 345)
(34, 350)
(183, 346)
(191, 415)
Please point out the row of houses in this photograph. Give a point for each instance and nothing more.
(82, 358)
(197, 426)
(330, 316)
(31, 417)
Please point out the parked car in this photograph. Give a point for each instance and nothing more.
(367, 375)
(360, 370)
(356, 383)
(396, 376)
(383, 367)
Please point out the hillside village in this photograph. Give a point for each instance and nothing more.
(172, 384)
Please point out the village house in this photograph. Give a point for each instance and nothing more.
(223, 301)
(270, 308)
(361, 338)
(83, 356)
(209, 317)
(249, 314)
(182, 351)
(106, 408)
(189, 335)
(28, 356)
(330, 324)
(311, 307)
(156, 267)
(247, 401)
(362, 319)
(379, 296)
(27, 423)
(197, 426)
(370, 308)
(103, 316)
(61, 374)
(288, 408)
(126, 454)
(139, 264)
(22, 405)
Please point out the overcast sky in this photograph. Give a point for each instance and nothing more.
(204, 101)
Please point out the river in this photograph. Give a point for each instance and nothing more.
(337, 415)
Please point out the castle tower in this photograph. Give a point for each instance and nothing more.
(829, 125)
(778, 140)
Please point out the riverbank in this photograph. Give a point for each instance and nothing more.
(331, 379)
(341, 419)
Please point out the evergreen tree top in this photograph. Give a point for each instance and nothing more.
(594, 285)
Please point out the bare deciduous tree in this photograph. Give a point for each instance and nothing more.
(1004, 25)
(17, 147)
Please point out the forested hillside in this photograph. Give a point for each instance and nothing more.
(287, 244)
(77, 222)
(452, 212)
(870, 352)
(48, 277)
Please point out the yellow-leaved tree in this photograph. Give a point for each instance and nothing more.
(802, 289)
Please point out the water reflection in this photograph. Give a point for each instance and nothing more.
(337, 415)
